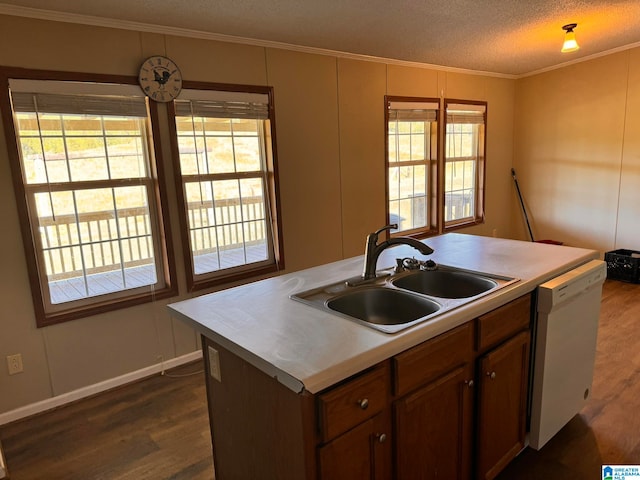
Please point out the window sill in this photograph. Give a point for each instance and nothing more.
(468, 222)
(245, 276)
(47, 319)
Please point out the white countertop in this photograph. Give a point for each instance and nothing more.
(306, 348)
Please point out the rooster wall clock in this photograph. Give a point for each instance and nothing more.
(160, 79)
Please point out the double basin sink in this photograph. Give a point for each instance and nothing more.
(394, 301)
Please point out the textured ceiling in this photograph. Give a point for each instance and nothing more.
(511, 37)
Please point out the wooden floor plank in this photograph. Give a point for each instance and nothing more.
(158, 428)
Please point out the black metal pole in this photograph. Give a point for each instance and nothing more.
(524, 210)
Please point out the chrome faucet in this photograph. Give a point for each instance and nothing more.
(374, 249)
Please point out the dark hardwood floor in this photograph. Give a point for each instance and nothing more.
(158, 428)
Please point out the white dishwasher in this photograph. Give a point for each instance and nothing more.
(566, 330)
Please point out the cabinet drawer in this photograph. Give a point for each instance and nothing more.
(362, 453)
(433, 358)
(349, 404)
(502, 323)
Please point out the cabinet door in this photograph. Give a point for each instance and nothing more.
(363, 453)
(502, 389)
(434, 429)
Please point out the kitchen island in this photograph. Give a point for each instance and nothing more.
(282, 377)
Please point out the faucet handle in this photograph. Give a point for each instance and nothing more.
(410, 263)
(399, 265)
(392, 226)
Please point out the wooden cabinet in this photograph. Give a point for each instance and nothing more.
(363, 452)
(434, 429)
(433, 416)
(504, 322)
(502, 400)
(355, 428)
(438, 383)
(260, 429)
(503, 342)
(429, 360)
(452, 407)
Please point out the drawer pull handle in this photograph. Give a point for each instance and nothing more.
(364, 403)
(469, 383)
(491, 375)
(382, 437)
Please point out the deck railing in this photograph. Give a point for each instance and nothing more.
(227, 224)
(459, 204)
(122, 239)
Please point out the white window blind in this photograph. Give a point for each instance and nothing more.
(413, 111)
(77, 98)
(467, 114)
(220, 104)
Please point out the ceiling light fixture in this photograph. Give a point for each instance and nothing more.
(570, 43)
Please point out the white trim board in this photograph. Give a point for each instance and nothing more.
(65, 398)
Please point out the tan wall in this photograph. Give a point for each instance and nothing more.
(330, 126)
(577, 152)
(628, 224)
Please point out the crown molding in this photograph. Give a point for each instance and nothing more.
(56, 16)
(65, 17)
(580, 60)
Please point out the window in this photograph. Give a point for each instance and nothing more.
(88, 183)
(431, 190)
(228, 184)
(464, 163)
(412, 132)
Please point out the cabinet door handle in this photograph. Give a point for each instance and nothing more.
(364, 403)
(381, 437)
(469, 383)
(491, 375)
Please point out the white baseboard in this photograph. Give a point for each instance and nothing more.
(89, 390)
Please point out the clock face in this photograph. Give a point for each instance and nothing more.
(160, 79)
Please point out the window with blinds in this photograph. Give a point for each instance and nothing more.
(228, 179)
(90, 187)
(464, 161)
(411, 159)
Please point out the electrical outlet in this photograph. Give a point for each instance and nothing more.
(214, 364)
(14, 363)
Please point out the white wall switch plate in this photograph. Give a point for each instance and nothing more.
(214, 364)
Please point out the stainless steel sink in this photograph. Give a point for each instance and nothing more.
(392, 302)
(383, 306)
(445, 284)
